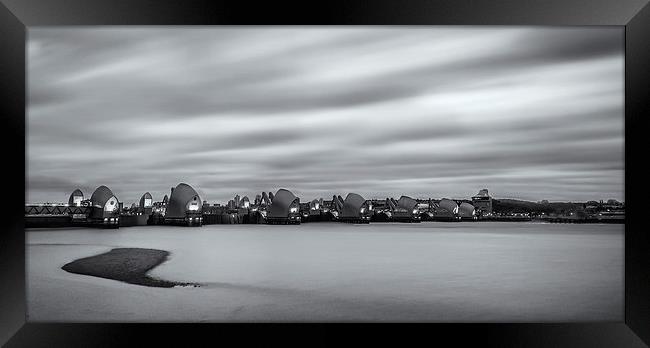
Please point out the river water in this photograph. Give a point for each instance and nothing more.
(431, 271)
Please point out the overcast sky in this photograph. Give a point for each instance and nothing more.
(527, 112)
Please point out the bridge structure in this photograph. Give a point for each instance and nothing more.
(57, 215)
(102, 210)
(55, 210)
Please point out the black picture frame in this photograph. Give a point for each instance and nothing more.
(17, 15)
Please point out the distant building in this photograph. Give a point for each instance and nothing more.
(482, 202)
(265, 199)
(466, 211)
(447, 210)
(284, 208)
(245, 203)
(405, 209)
(146, 203)
(355, 209)
(184, 206)
(105, 206)
(160, 207)
(76, 198)
(314, 205)
(613, 202)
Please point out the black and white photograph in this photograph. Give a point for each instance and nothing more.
(325, 174)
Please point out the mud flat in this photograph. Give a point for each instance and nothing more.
(129, 265)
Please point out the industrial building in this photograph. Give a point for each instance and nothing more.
(146, 203)
(355, 209)
(284, 208)
(466, 211)
(104, 208)
(160, 208)
(482, 203)
(446, 210)
(138, 215)
(313, 211)
(314, 207)
(184, 207)
(76, 197)
(406, 210)
(336, 207)
(265, 200)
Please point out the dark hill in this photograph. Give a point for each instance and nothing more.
(518, 206)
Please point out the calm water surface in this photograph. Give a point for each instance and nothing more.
(478, 272)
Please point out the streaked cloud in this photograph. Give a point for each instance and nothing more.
(528, 112)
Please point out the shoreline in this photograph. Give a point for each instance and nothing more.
(483, 221)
